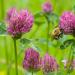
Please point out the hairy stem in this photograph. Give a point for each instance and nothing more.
(15, 51)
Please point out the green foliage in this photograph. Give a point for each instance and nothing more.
(2, 28)
(70, 42)
(25, 41)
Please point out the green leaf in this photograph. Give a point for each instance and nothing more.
(67, 43)
(25, 41)
(62, 47)
(73, 8)
(2, 28)
(39, 14)
(39, 18)
(54, 18)
(39, 22)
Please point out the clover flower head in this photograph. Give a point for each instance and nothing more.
(19, 23)
(49, 64)
(31, 60)
(47, 7)
(67, 22)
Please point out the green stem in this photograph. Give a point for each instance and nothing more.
(48, 37)
(6, 54)
(71, 56)
(32, 72)
(15, 50)
(47, 34)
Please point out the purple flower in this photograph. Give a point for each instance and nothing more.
(31, 60)
(49, 64)
(10, 13)
(19, 23)
(67, 23)
(47, 7)
(70, 64)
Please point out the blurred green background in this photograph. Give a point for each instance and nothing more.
(37, 32)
